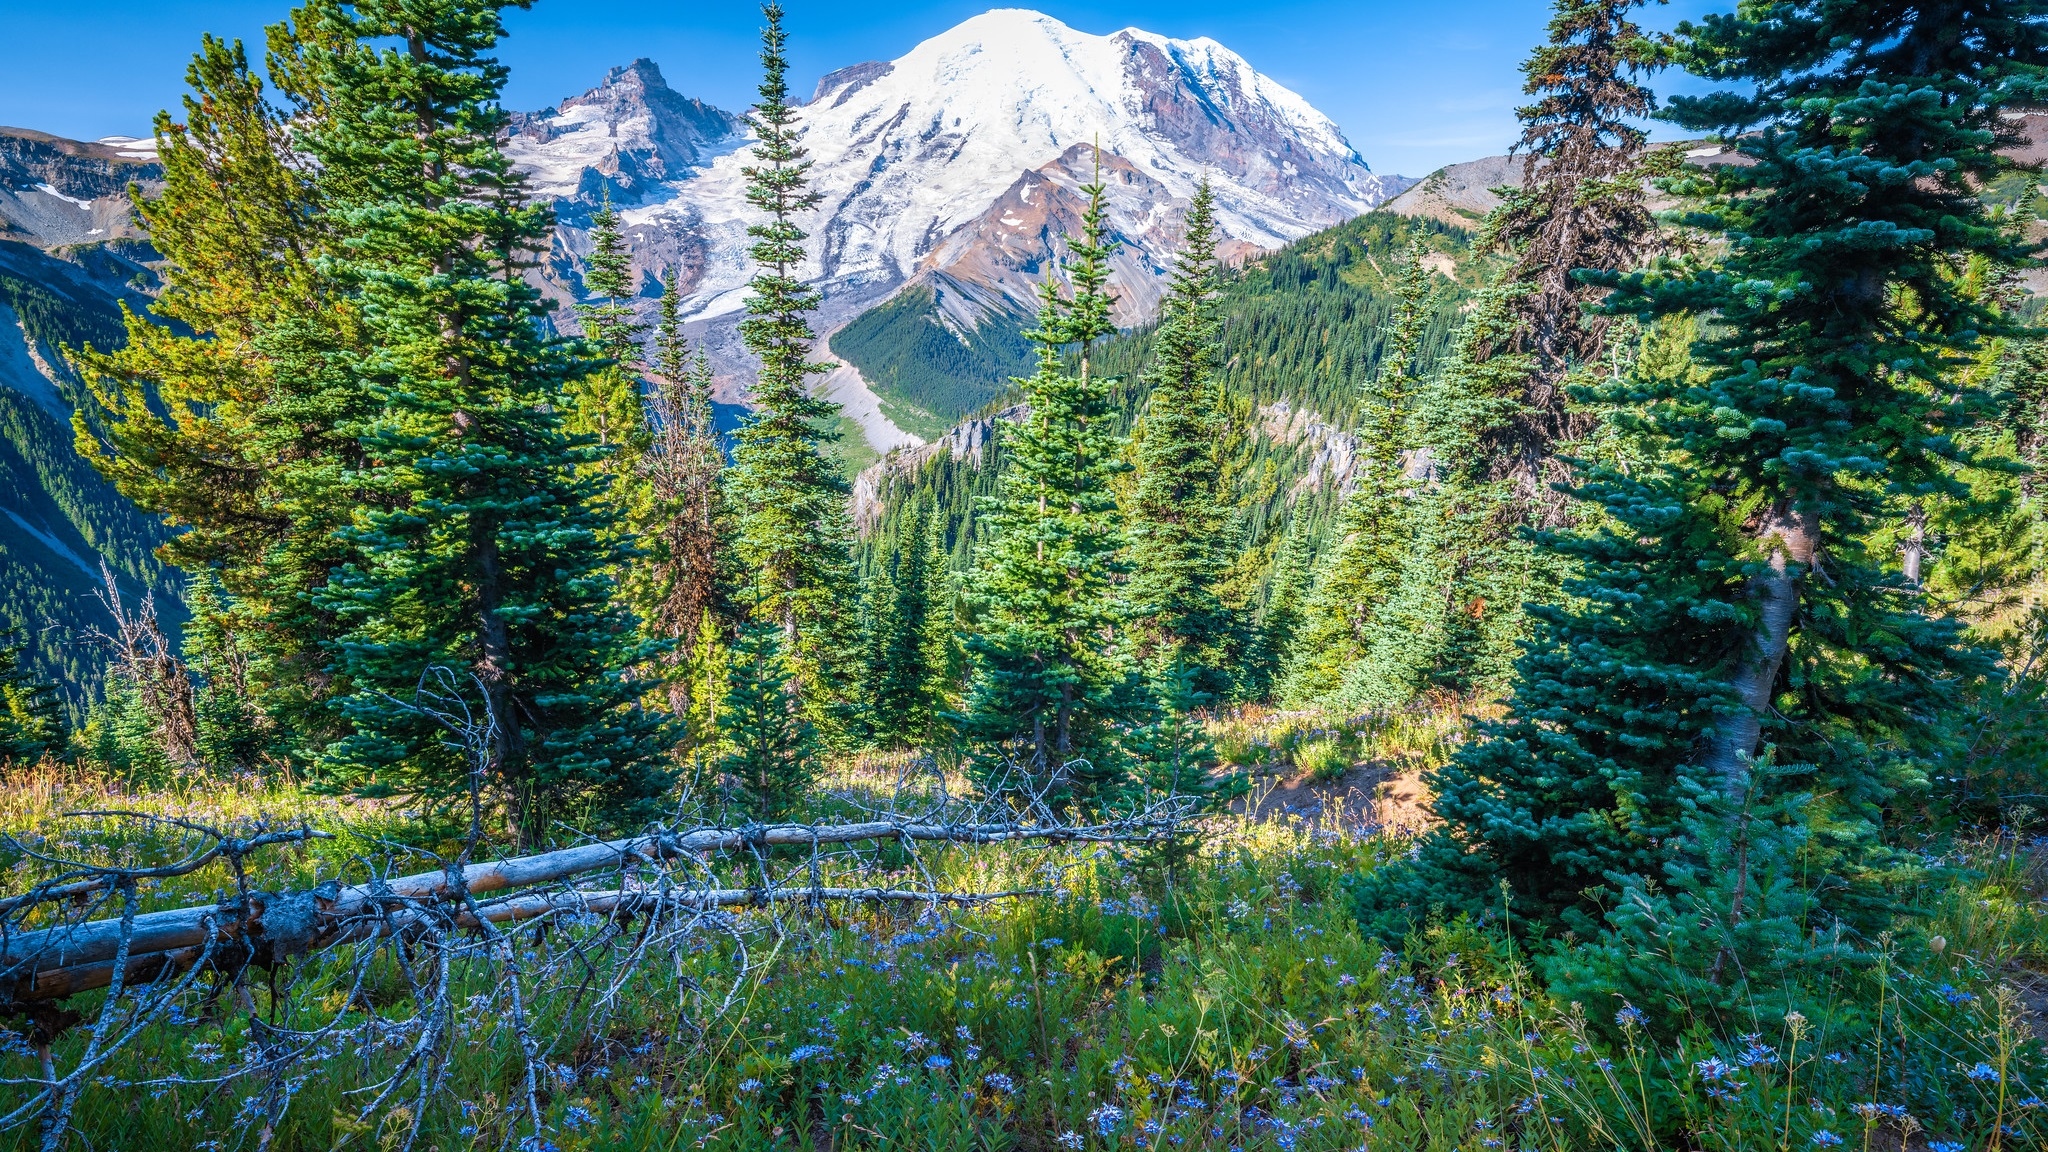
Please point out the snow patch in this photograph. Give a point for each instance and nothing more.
(47, 190)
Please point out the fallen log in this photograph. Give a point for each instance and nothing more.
(58, 983)
(274, 926)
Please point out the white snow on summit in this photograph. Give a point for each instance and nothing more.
(905, 152)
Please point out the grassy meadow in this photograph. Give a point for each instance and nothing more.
(1216, 996)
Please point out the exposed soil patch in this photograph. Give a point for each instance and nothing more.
(1375, 796)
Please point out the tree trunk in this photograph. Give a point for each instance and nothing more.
(1790, 539)
(494, 671)
(1915, 548)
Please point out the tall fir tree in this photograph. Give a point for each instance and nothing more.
(1730, 609)
(791, 502)
(1180, 521)
(493, 554)
(682, 586)
(1580, 207)
(1049, 673)
(1373, 530)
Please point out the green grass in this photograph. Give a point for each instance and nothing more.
(1229, 1003)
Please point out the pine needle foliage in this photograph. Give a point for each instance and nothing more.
(488, 547)
(1580, 206)
(1731, 600)
(681, 585)
(771, 758)
(911, 628)
(1374, 526)
(31, 716)
(1182, 545)
(225, 411)
(790, 499)
(1048, 672)
(608, 401)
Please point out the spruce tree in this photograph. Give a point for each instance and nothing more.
(1731, 608)
(1373, 531)
(1181, 544)
(1453, 612)
(227, 413)
(791, 502)
(909, 628)
(1049, 677)
(607, 401)
(771, 754)
(491, 549)
(1580, 207)
(681, 586)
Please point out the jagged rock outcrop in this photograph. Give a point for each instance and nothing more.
(632, 134)
(56, 192)
(964, 442)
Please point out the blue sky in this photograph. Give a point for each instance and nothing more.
(1414, 84)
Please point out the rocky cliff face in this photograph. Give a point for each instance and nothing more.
(632, 134)
(55, 191)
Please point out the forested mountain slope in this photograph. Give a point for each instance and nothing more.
(61, 285)
(1304, 331)
(58, 517)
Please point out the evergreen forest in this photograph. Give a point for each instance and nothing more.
(1571, 679)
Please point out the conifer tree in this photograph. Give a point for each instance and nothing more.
(1049, 678)
(1179, 521)
(1732, 610)
(493, 554)
(232, 731)
(31, 717)
(910, 627)
(771, 757)
(1580, 206)
(608, 404)
(791, 502)
(681, 586)
(1373, 529)
(1453, 612)
(226, 414)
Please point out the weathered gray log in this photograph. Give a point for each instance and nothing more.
(58, 983)
(97, 941)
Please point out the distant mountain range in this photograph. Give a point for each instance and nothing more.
(70, 256)
(954, 170)
(950, 176)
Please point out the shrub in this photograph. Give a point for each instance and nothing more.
(1323, 760)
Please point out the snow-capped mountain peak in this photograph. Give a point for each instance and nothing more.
(927, 166)
(907, 152)
(632, 133)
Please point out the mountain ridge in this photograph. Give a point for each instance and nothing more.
(923, 162)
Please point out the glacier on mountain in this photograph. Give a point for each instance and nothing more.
(908, 152)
